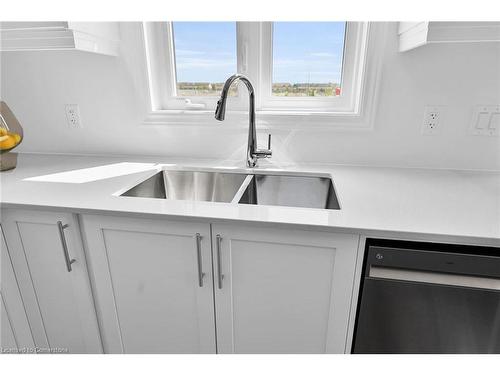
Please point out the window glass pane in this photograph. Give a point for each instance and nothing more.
(307, 58)
(205, 56)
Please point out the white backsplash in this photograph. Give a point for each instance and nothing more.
(38, 85)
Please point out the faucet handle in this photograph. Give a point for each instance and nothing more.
(264, 153)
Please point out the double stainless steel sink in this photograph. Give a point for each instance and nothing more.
(311, 191)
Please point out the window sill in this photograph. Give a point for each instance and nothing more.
(285, 120)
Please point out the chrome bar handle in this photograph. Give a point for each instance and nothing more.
(67, 259)
(264, 153)
(220, 276)
(198, 255)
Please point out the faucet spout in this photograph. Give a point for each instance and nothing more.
(253, 154)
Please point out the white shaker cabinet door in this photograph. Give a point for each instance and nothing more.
(8, 342)
(49, 262)
(282, 291)
(153, 284)
(15, 332)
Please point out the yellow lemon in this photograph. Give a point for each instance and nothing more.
(17, 138)
(8, 141)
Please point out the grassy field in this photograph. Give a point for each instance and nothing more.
(279, 89)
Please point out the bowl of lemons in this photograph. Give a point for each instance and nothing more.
(11, 135)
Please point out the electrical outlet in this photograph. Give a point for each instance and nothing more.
(433, 120)
(73, 116)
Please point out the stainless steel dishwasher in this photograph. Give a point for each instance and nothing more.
(428, 298)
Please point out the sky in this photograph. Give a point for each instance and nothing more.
(302, 51)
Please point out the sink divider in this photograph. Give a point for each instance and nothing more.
(243, 187)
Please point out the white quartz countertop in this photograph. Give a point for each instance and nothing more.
(458, 204)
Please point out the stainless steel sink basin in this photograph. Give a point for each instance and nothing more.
(153, 187)
(292, 191)
(189, 185)
(233, 187)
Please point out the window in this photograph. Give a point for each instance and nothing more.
(205, 55)
(295, 67)
(307, 58)
(188, 62)
(326, 64)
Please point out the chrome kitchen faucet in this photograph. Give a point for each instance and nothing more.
(253, 153)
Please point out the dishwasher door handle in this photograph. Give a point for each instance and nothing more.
(430, 277)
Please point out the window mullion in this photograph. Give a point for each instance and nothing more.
(264, 52)
(249, 58)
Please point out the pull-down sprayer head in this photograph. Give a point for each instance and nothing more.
(220, 111)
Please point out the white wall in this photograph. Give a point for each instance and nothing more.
(37, 85)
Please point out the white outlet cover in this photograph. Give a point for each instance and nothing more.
(73, 116)
(433, 119)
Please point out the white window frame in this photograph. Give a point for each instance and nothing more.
(352, 67)
(162, 73)
(353, 109)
